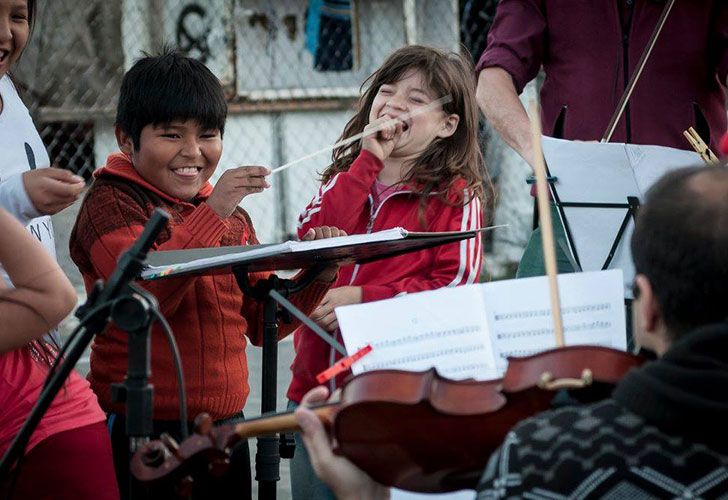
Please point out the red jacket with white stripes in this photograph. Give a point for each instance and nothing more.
(348, 201)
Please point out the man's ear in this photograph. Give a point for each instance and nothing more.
(449, 126)
(126, 145)
(649, 309)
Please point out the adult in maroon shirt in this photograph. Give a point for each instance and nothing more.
(584, 48)
(589, 51)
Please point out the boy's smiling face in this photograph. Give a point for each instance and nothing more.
(177, 158)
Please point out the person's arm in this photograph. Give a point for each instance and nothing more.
(42, 296)
(499, 102)
(512, 58)
(342, 201)
(346, 480)
(453, 264)
(44, 191)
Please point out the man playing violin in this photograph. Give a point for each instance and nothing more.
(588, 52)
(662, 433)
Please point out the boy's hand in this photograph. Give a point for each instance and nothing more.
(319, 233)
(346, 479)
(52, 189)
(325, 316)
(234, 185)
(381, 143)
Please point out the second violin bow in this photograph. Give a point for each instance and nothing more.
(547, 229)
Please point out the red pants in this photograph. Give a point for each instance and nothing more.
(75, 464)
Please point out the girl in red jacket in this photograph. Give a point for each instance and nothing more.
(423, 173)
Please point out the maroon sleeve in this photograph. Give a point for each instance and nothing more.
(516, 40)
(721, 42)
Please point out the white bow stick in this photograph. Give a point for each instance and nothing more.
(438, 102)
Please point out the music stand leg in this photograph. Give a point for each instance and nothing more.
(267, 457)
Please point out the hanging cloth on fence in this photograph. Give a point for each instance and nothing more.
(329, 34)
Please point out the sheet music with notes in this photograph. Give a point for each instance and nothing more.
(446, 328)
(468, 331)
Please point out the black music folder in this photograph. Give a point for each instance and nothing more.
(359, 248)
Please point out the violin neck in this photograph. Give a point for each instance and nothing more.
(281, 422)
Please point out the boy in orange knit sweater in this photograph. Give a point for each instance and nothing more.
(169, 126)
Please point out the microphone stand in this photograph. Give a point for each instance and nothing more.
(131, 309)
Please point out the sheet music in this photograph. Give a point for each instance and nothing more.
(445, 328)
(519, 313)
(606, 173)
(468, 331)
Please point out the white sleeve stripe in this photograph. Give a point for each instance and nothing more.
(315, 204)
(477, 243)
(463, 244)
(308, 214)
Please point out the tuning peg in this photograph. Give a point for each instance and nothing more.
(153, 455)
(204, 424)
(172, 445)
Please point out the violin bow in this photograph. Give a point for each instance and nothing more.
(547, 230)
(437, 102)
(700, 147)
(637, 72)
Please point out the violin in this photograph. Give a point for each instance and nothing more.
(416, 431)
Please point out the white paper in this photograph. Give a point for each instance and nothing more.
(606, 173)
(519, 313)
(408, 495)
(445, 328)
(396, 233)
(468, 331)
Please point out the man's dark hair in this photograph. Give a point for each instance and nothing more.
(680, 244)
(161, 89)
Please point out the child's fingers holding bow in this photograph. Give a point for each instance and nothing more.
(234, 185)
(381, 143)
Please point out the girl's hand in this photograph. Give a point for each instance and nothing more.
(381, 143)
(52, 189)
(234, 185)
(320, 233)
(324, 314)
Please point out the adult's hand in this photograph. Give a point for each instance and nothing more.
(52, 189)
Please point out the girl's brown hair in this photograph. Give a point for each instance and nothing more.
(446, 159)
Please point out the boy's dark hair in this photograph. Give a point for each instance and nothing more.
(680, 243)
(161, 89)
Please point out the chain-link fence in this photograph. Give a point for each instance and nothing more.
(291, 69)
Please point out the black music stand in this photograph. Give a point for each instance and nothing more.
(597, 192)
(242, 260)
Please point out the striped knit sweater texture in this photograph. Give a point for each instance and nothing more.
(208, 314)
